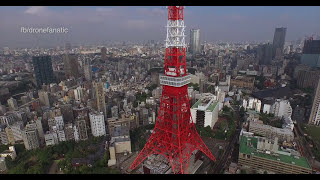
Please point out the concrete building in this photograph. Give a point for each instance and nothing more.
(12, 103)
(10, 152)
(3, 135)
(44, 98)
(205, 111)
(260, 154)
(315, 111)
(3, 166)
(17, 129)
(80, 129)
(10, 136)
(70, 66)
(79, 93)
(87, 69)
(51, 138)
(7, 119)
(283, 134)
(308, 78)
(69, 131)
(97, 124)
(30, 136)
(266, 108)
(100, 97)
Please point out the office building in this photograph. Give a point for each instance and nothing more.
(43, 70)
(278, 41)
(308, 78)
(311, 53)
(264, 54)
(195, 41)
(71, 66)
(51, 138)
(315, 111)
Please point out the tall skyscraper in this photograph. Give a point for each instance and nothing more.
(71, 65)
(264, 54)
(195, 41)
(311, 53)
(43, 70)
(315, 111)
(103, 53)
(87, 69)
(100, 97)
(278, 41)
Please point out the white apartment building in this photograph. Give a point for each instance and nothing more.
(97, 124)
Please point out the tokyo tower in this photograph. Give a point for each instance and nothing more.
(174, 135)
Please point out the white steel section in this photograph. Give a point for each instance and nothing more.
(175, 81)
(175, 34)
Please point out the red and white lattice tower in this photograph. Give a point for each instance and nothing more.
(174, 135)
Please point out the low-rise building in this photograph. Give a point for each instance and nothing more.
(259, 154)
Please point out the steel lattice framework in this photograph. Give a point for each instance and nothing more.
(174, 136)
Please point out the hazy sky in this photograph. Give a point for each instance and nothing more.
(90, 25)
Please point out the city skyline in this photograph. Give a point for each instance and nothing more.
(99, 25)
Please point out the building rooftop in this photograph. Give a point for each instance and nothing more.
(301, 161)
(200, 102)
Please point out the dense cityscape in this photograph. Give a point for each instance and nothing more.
(91, 109)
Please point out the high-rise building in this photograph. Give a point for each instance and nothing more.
(87, 69)
(97, 124)
(70, 66)
(43, 70)
(103, 53)
(264, 54)
(311, 53)
(100, 97)
(30, 136)
(278, 41)
(315, 111)
(195, 41)
(308, 78)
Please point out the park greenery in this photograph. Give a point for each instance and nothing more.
(313, 138)
(194, 85)
(269, 119)
(138, 137)
(223, 129)
(38, 161)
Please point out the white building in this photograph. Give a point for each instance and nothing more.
(266, 108)
(97, 124)
(59, 122)
(78, 93)
(51, 138)
(205, 111)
